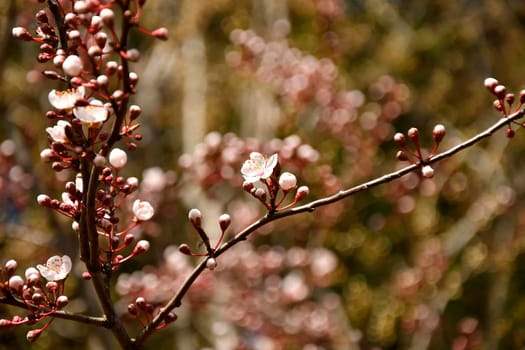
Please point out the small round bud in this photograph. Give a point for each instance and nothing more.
(413, 133)
(509, 98)
(260, 194)
(10, 266)
(510, 133)
(118, 158)
(133, 55)
(132, 309)
(498, 105)
(99, 161)
(224, 221)
(21, 33)
(33, 335)
(140, 302)
(287, 181)
(108, 16)
(75, 226)
(86, 275)
(129, 239)
(195, 217)
(438, 133)
(522, 96)
(302, 192)
(500, 91)
(211, 264)
(247, 186)
(160, 33)
(31, 271)
(52, 286)
(47, 155)
(37, 298)
(427, 171)
(62, 301)
(491, 83)
(402, 156)
(399, 138)
(43, 200)
(16, 283)
(185, 249)
(134, 112)
(141, 247)
(72, 65)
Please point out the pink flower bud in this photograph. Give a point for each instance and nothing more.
(490, 84)
(21, 33)
(132, 309)
(72, 65)
(140, 302)
(16, 283)
(62, 301)
(438, 133)
(99, 161)
(108, 16)
(160, 33)
(302, 192)
(287, 181)
(118, 158)
(185, 249)
(224, 221)
(195, 217)
(413, 133)
(211, 264)
(260, 194)
(141, 247)
(86, 275)
(402, 156)
(133, 55)
(43, 200)
(33, 335)
(427, 171)
(47, 155)
(10, 266)
(134, 112)
(399, 138)
(500, 91)
(171, 317)
(30, 271)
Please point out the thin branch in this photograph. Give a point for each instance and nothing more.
(92, 320)
(176, 300)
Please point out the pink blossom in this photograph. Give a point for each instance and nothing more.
(58, 132)
(56, 268)
(258, 167)
(66, 99)
(143, 210)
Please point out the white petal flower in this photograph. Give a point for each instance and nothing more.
(258, 167)
(95, 112)
(66, 99)
(143, 210)
(56, 268)
(58, 132)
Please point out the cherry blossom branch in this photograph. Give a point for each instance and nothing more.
(176, 300)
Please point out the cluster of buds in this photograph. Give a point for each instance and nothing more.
(143, 312)
(417, 155)
(268, 171)
(504, 101)
(31, 292)
(195, 218)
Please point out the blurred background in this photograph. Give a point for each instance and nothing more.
(414, 264)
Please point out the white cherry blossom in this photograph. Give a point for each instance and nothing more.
(258, 167)
(142, 210)
(58, 132)
(56, 268)
(95, 112)
(66, 99)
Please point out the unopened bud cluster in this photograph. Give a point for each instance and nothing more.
(504, 102)
(417, 155)
(40, 290)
